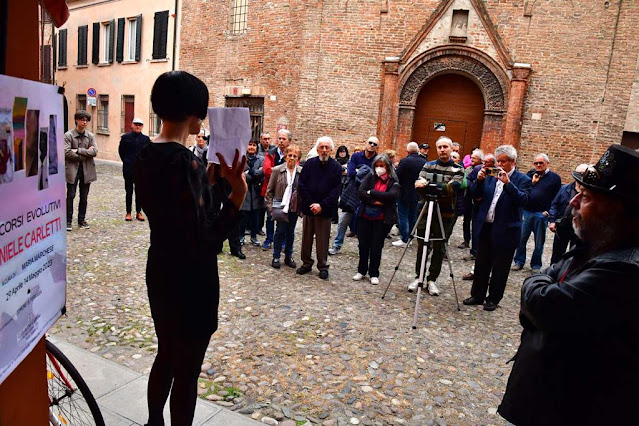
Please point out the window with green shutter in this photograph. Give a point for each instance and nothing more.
(160, 33)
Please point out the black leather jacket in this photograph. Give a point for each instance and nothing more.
(578, 361)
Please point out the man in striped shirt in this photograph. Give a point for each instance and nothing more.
(449, 178)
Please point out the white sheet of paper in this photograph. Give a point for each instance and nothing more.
(230, 130)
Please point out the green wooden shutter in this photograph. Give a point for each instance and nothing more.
(160, 33)
(95, 58)
(138, 37)
(111, 40)
(119, 50)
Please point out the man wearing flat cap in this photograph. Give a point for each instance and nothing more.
(578, 357)
(130, 144)
(423, 150)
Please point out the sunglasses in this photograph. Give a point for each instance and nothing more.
(538, 163)
(591, 176)
(371, 143)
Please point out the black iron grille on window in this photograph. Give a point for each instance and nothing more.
(237, 19)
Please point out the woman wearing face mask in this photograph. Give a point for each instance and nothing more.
(377, 215)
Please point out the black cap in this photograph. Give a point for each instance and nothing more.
(616, 173)
(423, 146)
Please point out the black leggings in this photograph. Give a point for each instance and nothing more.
(176, 369)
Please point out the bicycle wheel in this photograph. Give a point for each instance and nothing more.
(70, 400)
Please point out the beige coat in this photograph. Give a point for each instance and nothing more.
(277, 185)
(80, 149)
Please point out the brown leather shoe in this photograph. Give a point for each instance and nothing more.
(128, 217)
(468, 277)
(139, 217)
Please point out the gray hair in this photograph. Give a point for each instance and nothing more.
(412, 147)
(264, 133)
(287, 132)
(509, 150)
(544, 156)
(444, 139)
(479, 153)
(325, 139)
(387, 162)
(456, 144)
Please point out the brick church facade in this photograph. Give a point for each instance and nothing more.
(554, 76)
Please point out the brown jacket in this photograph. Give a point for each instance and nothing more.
(80, 149)
(277, 185)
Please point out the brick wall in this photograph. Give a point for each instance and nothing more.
(322, 61)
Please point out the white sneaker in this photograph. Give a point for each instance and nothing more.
(334, 250)
(413, 285)
(357, 277)
(374, 280)
(399, 243)
(432, 288)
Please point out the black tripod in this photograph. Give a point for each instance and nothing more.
(430, 206)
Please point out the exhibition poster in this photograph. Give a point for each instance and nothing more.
(32, 216)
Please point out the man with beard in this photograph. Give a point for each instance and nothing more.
(318, 191)
(577, 361)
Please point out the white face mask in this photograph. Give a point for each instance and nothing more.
(380, 171)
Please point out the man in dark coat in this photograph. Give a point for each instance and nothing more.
(318, 190)
(577, 361)
(130, 145)
(498, 226)
(407, 173)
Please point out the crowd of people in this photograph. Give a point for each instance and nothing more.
(570, 311)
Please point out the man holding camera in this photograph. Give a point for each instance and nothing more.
(545, 185)
(577, 361)
(504, 192)
(446, 178)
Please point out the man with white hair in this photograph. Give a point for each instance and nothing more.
(504, 192)
(545, 185)
(407, 173)
(318, 192)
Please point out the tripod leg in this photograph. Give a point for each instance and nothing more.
(413, 233)
(450, 265)
(422, 267)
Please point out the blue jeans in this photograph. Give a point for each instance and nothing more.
(285, 232)
(407, 212)
(536, 223)
(342, 225)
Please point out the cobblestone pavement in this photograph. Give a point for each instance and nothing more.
(292, 348)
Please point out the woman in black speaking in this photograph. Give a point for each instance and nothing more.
(187, 227)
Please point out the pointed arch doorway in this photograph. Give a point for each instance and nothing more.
(449, 105)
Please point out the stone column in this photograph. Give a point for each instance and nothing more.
(518, 86)
(388, 104)
(404, 126)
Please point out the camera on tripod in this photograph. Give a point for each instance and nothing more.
(433, 188)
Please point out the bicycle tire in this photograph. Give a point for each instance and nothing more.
(65, 400)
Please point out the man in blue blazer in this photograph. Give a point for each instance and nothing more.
(504, 192)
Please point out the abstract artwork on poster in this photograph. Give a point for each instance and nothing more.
(19, 112)
(6, 158)
(53, 145)
(32, 141)
(43, 170)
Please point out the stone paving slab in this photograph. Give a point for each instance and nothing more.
(296, 348)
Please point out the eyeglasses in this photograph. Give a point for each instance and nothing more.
(371, 143)
(539, 163)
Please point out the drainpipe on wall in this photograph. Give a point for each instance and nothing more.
(175, 24)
